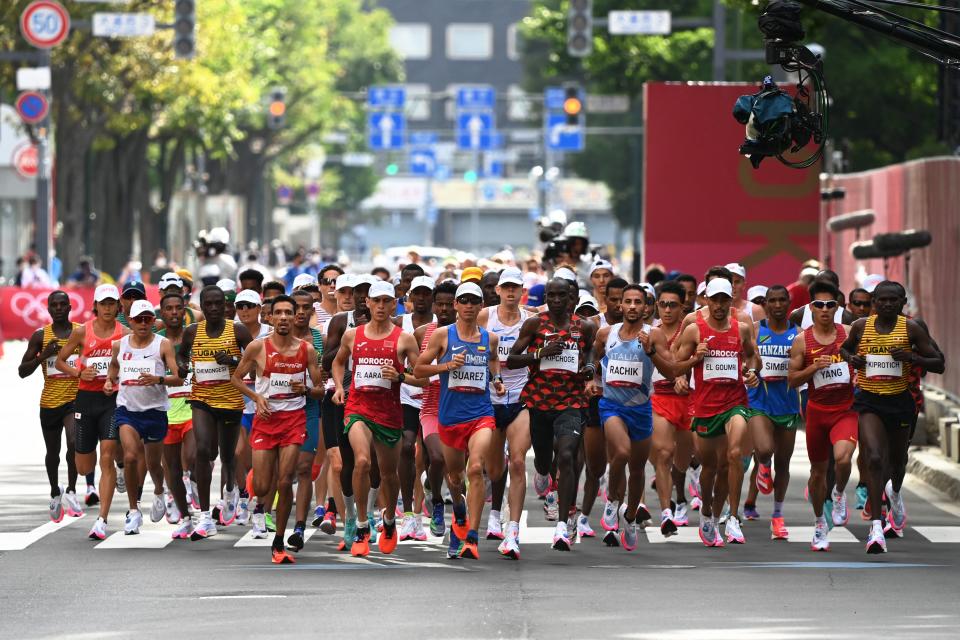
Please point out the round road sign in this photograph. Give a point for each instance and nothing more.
(45, 24)
(32, 107)
(26, 160)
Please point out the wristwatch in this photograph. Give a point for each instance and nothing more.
(651, 352)
(401, 377)
(498, 379)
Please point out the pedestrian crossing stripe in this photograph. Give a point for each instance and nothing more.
(939, 534)
(20, 540)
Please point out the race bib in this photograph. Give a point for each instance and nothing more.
(205, 373)
(720, 368)
(370, 376)
(52, 368)
(834, 376)
(468, 379)
(503, 351)
(100, 365)
(623, 373)
(183, 391)
(566, 360)
(281, 385)
(883, 367)
(130, 371)
(774, 369)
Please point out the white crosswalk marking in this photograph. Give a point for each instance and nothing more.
(689, 535)
(18, 541)
(939, 534)
(534, 535)
(249, 541)
(153, 535)
(837, 534)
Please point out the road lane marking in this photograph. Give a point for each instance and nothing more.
(18, 541)
(153, 535)
(939, 534)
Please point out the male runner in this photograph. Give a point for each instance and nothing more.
(251, 280)
(722, 353)
(859, 303)
(466, 358)
(138, 375)
(94, 407)
(488, 285)
(326, 282)
(774, 406)
(411, 400)
(373, 419)
(689, 284)
(738, 275)
(554, 345)
(56, 402)
(803, 317)
(884, 348)
(831, 423)
(281, 363)
(132, 291)
(213, 347)
(601, 273)
(627, 352)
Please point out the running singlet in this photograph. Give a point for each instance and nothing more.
(249, 406)
(97, 354)
(662, 386)
(807, 320)
(58, 388)
(410, 395)
(882, 374)
(719, 383)
(513, 379)
(464, 392)
(832, 386)
(626, 370)
(553, 384)
(773, 396)
(279, 373)
(211, 380)
(431, 392)
(133, 362)
(371, 395)
(179, 411)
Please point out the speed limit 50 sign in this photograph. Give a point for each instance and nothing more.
(45, 24)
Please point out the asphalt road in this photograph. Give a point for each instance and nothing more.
(54, 582)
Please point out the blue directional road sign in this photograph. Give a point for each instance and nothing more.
(475, 131)
(423, 162)
(385, 131)
(386, 97)
(476, 99)
(422, 138)
(553, 98)
(561, 136)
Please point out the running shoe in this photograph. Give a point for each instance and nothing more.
(407, 528)
(494, 528)
(693, 487)
(295, 540)
(56, 506)
(561, 539)
(318, 515)
(419, 534)
(750, 512)
(425, 508)
(205, 527)
(840, 515)
(584, 530)
(269, 523)
(329, 524)
(611, 538)
(764, 479)
(349, 534)
(398, 510)
(628, 536)
(888, 530)
(861, 493)
(170, 506)
(158, 509)
(487, 489)
(551, 510)
(695, 503)
(865, 513)
(258, 526)
(453, 551)
(184, 529)
(732, 530)
(191, 489)
(778, 529)
(468, 550)
(361, 543)
(91, 498)
(377, 521)
(228, 513)
(215, 514)
(724, 514)
(445, 494)
(897, 515)
(133, 522)
(876, 542)
(99, 530)
(72, 504)
(281, 556)
(243, 511)
(643, 516)
(387, 541)
(121, 482)
(610, 519)
(510, 547)
(681, 518)
(707, 531)
(604, 486)
(821, 541)
(667, 526)
(541, 485)
(828, 508)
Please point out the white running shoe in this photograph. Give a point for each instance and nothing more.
(494, 527)
(696, 503)
(541, 484)
(551, 509)
(876, 543)
(158, 509)
(184, 529)
(173, 512)
(510, 547)
(407, 528)
(898, 512)
(628, 536)
(243, 511)
(604, 486)
(419, 533)
(205, 527)
(724, 514)
(839, 514)
(821, 541)
(561, 539)
(133, 522)
(99, 530)
(191, 488)
(693, 488)
(681, 516)
(228, 511)
(56, 506)
(733, 532)
(610, 520)
(258, 525)
(72, 504)
(121, 482)
(584, 530)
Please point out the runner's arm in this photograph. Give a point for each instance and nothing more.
(73, 342)
(409, 353)
(589, 336)
(243, 335)
(170, 359)
(751, 357)
(688, 351)
(797, 374)
(316, 374)
(33, 357)
(185, 352)
(848, 350)
(600, 346)
(923, 354)
(248, 364)
(662, 357)
(436, 347)
(518, 357)
(331, 347)
(339, 364)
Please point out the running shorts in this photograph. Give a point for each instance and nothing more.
(411, 418)
(674, 409)
(895, 411)
(53, 417)
(457, 436)
(593, 417)
(505, 414)
(312, 443)
(177, 432)
(431, 424)
(826, 426)
(93, 411)
(381, 433)
(639, 419)
(150, 425)
(331, 419)
(246, 421)
(716, 426)
(790, 421)
(281, 429)
(226, 416)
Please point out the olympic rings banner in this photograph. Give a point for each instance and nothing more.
(23, 311)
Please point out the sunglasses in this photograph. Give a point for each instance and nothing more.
(328, 281)
(861, 303)
(824, 304)
(469, 300)
(142, 319)
(245, 305)
(668, 304)
(134, 296)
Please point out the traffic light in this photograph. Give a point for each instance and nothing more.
(573, 105)
(184, 29)
(580, 28)
(277, 108)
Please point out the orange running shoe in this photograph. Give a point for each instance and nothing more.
(388, 538)
(460, 529)
(778, 530)
(468, 550)
(361, 544)
(280, 556)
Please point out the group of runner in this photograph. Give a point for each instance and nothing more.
(388, 399)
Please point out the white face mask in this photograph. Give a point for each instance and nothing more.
(161, 262)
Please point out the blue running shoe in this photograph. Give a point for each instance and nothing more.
(453, 552)
(861, 497)
(438, 526)
(828, 509)
(318, 515)
(750, 512)
(349, 534)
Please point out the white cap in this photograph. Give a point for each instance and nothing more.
(808, 271)
(589, 301)
(226, 285)
(601, 264)
(209, 271)
(718, 286)
(422, 281)
(106, 292)
(140, 307)
(303, 280)
(737, 269)
(511, 275)
(469, 289)
(380, 289)
(758, 291)
(701, 288)
(871, 281)
(168, 280)
(646, 286)
(250, 296)
(218, 234)
(345, 280)
(565, 273)
(366, 278)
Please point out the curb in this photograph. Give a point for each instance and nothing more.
(929, 465)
